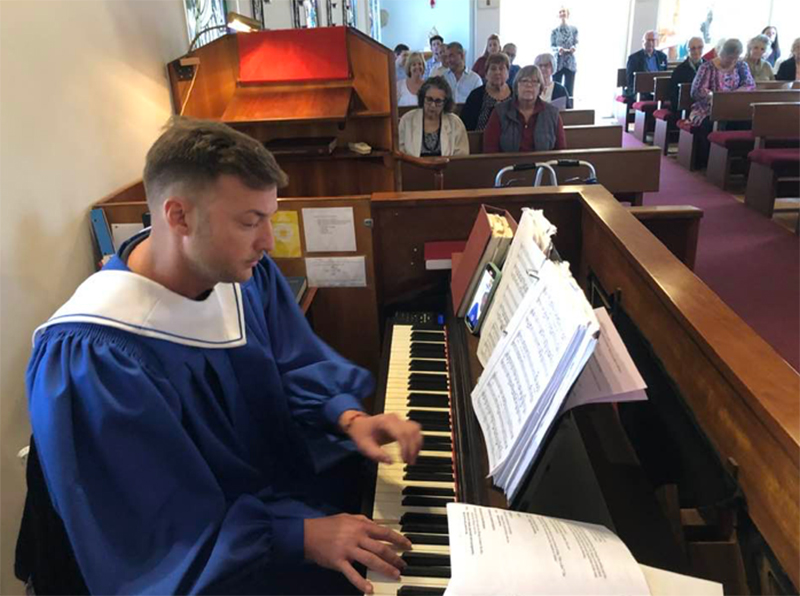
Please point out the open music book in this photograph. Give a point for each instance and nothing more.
(500, 552)
(544, 348)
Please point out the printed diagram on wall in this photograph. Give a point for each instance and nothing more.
(205, 14)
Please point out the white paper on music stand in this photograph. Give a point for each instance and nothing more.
(520, 271)
(329, 229)
(500, 552)
(610, 374)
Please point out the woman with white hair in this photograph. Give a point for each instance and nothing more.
(552, 90)
(759, 68)
(526, 123)
(726, 72)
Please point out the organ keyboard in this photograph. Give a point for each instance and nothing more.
(411, 499)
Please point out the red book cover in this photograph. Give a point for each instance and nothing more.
(438, 255)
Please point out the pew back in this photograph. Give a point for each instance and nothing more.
(625, 172)
(622, 77)
(643, 82)
(764, 85)
(776, 120)
(736, 105)
(578, 137)
(577, 117)
(661, 88)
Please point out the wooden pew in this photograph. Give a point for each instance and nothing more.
(730, 148)
(644, 121)
(726, 380)
(765, 85)
(568, 117)
(626, 172)
(769, 179)
(676, 226)
(578, 137)
(666, 128)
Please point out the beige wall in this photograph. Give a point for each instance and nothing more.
(83, 93)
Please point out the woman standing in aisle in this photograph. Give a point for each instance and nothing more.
(563, 40)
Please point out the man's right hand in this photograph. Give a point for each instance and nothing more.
(336, 542)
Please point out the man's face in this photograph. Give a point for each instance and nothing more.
(456, 59)
(649, 42)
(401, 58)
(696, 49)
(436, 48)
(510, 50)
(230, 231)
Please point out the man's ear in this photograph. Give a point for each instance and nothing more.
(177, 210)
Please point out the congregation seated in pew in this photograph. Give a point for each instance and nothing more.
(527, 123)
(648, 59)
(759, 68)
(408, 88)
(432, 129)
(788, 68)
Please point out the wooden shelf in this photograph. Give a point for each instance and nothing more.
(338, 153)
(260, 104)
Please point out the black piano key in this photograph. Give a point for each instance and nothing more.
(436, 439)
(426, 501)
(428, 415)
(428, 491)
(426, 571)
(427, 336)
(437, 539)
(427, 400)
(444, 468)
(420, 591)
(423, 528)
(428, 376)
(426, 559)
(444, 447)
(428, 477)
(420, 385)
(428, 518)
(428, 425)
(428, 365)
(420, 350)
(425, 460)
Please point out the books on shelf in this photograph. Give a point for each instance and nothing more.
(495, 552)
(488, 242)
(439, 254)
(299, 285)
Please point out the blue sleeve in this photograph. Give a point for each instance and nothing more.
(320, 384)
(143, 511)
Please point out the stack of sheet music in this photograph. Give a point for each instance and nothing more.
(536, 357)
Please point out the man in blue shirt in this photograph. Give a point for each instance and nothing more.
(435, 61)
(184, 411)
(648, 59)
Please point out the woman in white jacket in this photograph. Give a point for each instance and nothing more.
(432, 129)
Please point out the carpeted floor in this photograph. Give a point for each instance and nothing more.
(751, 262)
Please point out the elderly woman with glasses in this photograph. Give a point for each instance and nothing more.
(553, 91)
(527, 123)
(481, 101)
(759, 68)
(432, 129)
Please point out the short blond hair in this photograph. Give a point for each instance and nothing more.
(411, 59)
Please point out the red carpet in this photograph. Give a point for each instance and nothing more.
(752, 263)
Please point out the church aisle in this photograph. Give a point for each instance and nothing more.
(751, 262)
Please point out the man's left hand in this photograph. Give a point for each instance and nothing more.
(370, 432)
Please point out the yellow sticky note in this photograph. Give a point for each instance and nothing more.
(287, 235)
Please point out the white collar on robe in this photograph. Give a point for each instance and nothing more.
(128, 301)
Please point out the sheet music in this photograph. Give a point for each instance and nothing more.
(610, 374)
(513, 387)
(500, 552)
(526, 256)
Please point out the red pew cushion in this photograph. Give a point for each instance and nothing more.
(664, 114)
(732, 139)
(775, 157)
(623, 99)
(647, 107)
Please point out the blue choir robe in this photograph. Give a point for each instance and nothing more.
(180, 440)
